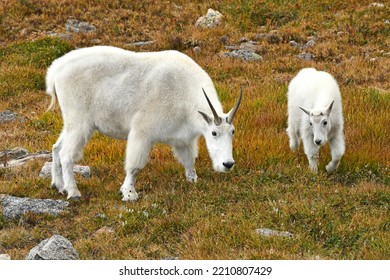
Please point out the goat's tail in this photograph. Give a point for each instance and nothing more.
(51, 89)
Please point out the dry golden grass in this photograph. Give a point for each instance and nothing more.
(340, 216)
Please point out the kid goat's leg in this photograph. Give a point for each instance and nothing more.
(137, 153)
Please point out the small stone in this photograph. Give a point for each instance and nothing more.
(77, 26)
(197, 49)
(7, 116)
(55, 248)
(294, 44)
(270, 232)
(306, 56)
(104, 230)
(377, 5)
(244, 55)
(310, 43)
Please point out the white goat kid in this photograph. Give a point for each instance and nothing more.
(315, 116)
(142, 97)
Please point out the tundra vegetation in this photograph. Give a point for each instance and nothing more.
(342, 215)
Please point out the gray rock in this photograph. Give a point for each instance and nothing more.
(244, 55)
(7, 116)
(306, 56)
(310, 43)
(54, 248)
(210, 20)
(14, 207)
(270, 232)
(74, 25)
(84, 171)
(19, 156)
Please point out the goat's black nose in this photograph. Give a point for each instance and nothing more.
(318, 142)
(228, 164)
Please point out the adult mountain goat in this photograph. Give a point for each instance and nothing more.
(142, 97)
(315, 115)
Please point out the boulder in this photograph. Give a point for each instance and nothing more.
(55, 248)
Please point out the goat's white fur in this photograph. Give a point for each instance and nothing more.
(142, 97)
(315, 115)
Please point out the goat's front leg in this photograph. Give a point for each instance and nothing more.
(337, 148)
(137, 153)
(312, 153)
(187, 155)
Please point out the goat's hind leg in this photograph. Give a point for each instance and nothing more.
(56, 170)
(72, 145)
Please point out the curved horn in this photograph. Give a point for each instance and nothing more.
(217, 119)
(233, 111)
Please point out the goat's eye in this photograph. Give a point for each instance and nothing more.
(311, 123)
(214, 133)
(233, 132)
(325, 122)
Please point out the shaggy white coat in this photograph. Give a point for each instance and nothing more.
(142, 97)
(315, 116)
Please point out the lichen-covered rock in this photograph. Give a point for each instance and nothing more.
(210, 20)
(14, 207)
(7, 116)
(244, 55)
(55, 248)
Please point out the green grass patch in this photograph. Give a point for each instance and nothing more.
(39, 54)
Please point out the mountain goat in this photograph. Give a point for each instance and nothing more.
(142, 97)
(315, 115)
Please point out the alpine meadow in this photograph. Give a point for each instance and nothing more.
(257, 45)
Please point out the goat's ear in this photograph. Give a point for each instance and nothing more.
(206, 117)
(329, 109)
(305, 110)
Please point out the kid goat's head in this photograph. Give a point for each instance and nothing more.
(219, 136)
(319, 122)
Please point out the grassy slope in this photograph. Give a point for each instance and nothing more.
(341, 216)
